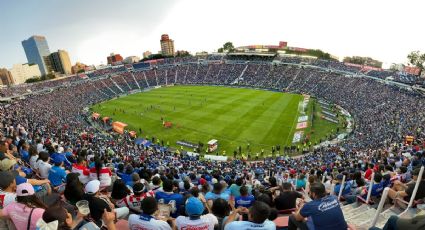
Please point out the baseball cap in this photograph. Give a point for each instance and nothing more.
(194, 207)
(339, 177)
(92, 187)
(6, 178)
(24, 189)
(6, 164)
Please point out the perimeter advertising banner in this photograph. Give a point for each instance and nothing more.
(412, 70)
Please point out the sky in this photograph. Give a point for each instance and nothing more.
(90, 30)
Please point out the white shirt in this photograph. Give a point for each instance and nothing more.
(43, 168)
(33, 161)
(205, 222)
(40, 147)
(6, 198)
(136, 223)
(238, 225)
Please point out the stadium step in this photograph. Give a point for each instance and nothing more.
(236, 81)
(354, 211)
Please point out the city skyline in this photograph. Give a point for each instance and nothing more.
(384, 30)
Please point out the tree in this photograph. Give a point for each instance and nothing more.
(228, 46)
(417, 59)
(220, 50)
(182, 53)
(47, 77)
(32, 80)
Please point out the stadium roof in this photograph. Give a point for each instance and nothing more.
(252, 54)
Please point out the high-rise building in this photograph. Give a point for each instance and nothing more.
(36, 48)
(59, 62)
(114, 58)
(5, 77)
(167, 45)
(22, 72)
(147, 54)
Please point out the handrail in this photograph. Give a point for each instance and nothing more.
(415, 190)
(369, 192)
(341, 188)
(380, 207)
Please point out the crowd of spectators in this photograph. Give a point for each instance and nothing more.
(53, 160)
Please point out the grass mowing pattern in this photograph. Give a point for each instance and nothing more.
(233, 116)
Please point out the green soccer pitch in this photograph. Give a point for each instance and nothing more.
(233, 116)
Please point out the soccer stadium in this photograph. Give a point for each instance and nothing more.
(254, 137)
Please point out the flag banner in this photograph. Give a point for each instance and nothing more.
(302, 118)
(302, 125)
(297, 136)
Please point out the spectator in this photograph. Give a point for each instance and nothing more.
(195, 220)
(217, 192)
(147, 220)
(175, 200)
(301, 182)
(55, 217)
(119, 192)
(245, 200)
(7, 196)
(101, 173)
(92, 193)
(235, 188)
(27, 209)
(81, 169)
(287, 198)
(57, 174)
(323, 212)
(257, 218)
(221, 210)
(404, 191)
(133, 201)
(395, 222)
(74, 189)
(43, 165)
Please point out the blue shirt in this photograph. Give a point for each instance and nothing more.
(126, 178)
(57, 176)
(214, 196)
(20, 180)
(174, 199)
(325, 214)
(345, 191)
(25, 155)
(377, 189)
(300, 184)
(234, 190)
(244, 201)
(238, 225)
(66, 162)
